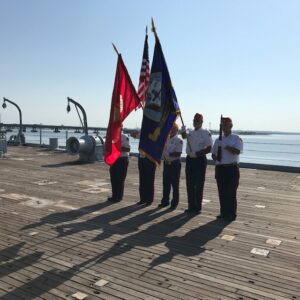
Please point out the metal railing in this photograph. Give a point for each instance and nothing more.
(286, 152)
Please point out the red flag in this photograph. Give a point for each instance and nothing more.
(124, 100)
(145, 73)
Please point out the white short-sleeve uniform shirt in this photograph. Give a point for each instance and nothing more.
(125, 143)
(173, 144)
(197, 140)
(232, 140)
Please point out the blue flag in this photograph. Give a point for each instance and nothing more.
(161, 108)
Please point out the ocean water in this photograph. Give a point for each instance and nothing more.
(273, 149)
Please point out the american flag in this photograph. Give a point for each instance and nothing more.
(145, 73)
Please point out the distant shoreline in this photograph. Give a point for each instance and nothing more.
(130, 130)
(246, 132)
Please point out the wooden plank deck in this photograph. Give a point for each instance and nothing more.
(61, 239)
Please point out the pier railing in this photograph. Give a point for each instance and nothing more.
(267, 150)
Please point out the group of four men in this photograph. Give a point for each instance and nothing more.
(199, 144)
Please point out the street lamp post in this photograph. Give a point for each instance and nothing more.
(20, 114)
(88, 147)
(84, 125)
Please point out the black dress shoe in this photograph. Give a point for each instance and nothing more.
(174, 204)
(148, 203)
(111, 199)
(141, 202)
(116, 200)
(163, 204)
(192, 211)
(230, 218)
(173, 207)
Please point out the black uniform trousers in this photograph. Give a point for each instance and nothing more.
(227, 177)
(118, 172)
(195, 170)
(147, 175)
(171, 176)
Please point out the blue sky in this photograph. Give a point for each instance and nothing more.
(236, 58)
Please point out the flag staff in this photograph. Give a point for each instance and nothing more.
(181, 119)
(185, 135)
(154, 29)
(115, 48)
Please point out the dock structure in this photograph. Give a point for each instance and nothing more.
(61, 239)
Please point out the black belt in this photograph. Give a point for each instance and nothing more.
(228, 165)
(166, 162)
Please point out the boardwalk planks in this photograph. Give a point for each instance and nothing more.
(60, 239)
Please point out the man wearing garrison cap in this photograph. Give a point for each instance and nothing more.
(199, 143)
(227, 169)
(172, 168)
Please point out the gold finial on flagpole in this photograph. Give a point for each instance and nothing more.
(115, 48)
(154, 28)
